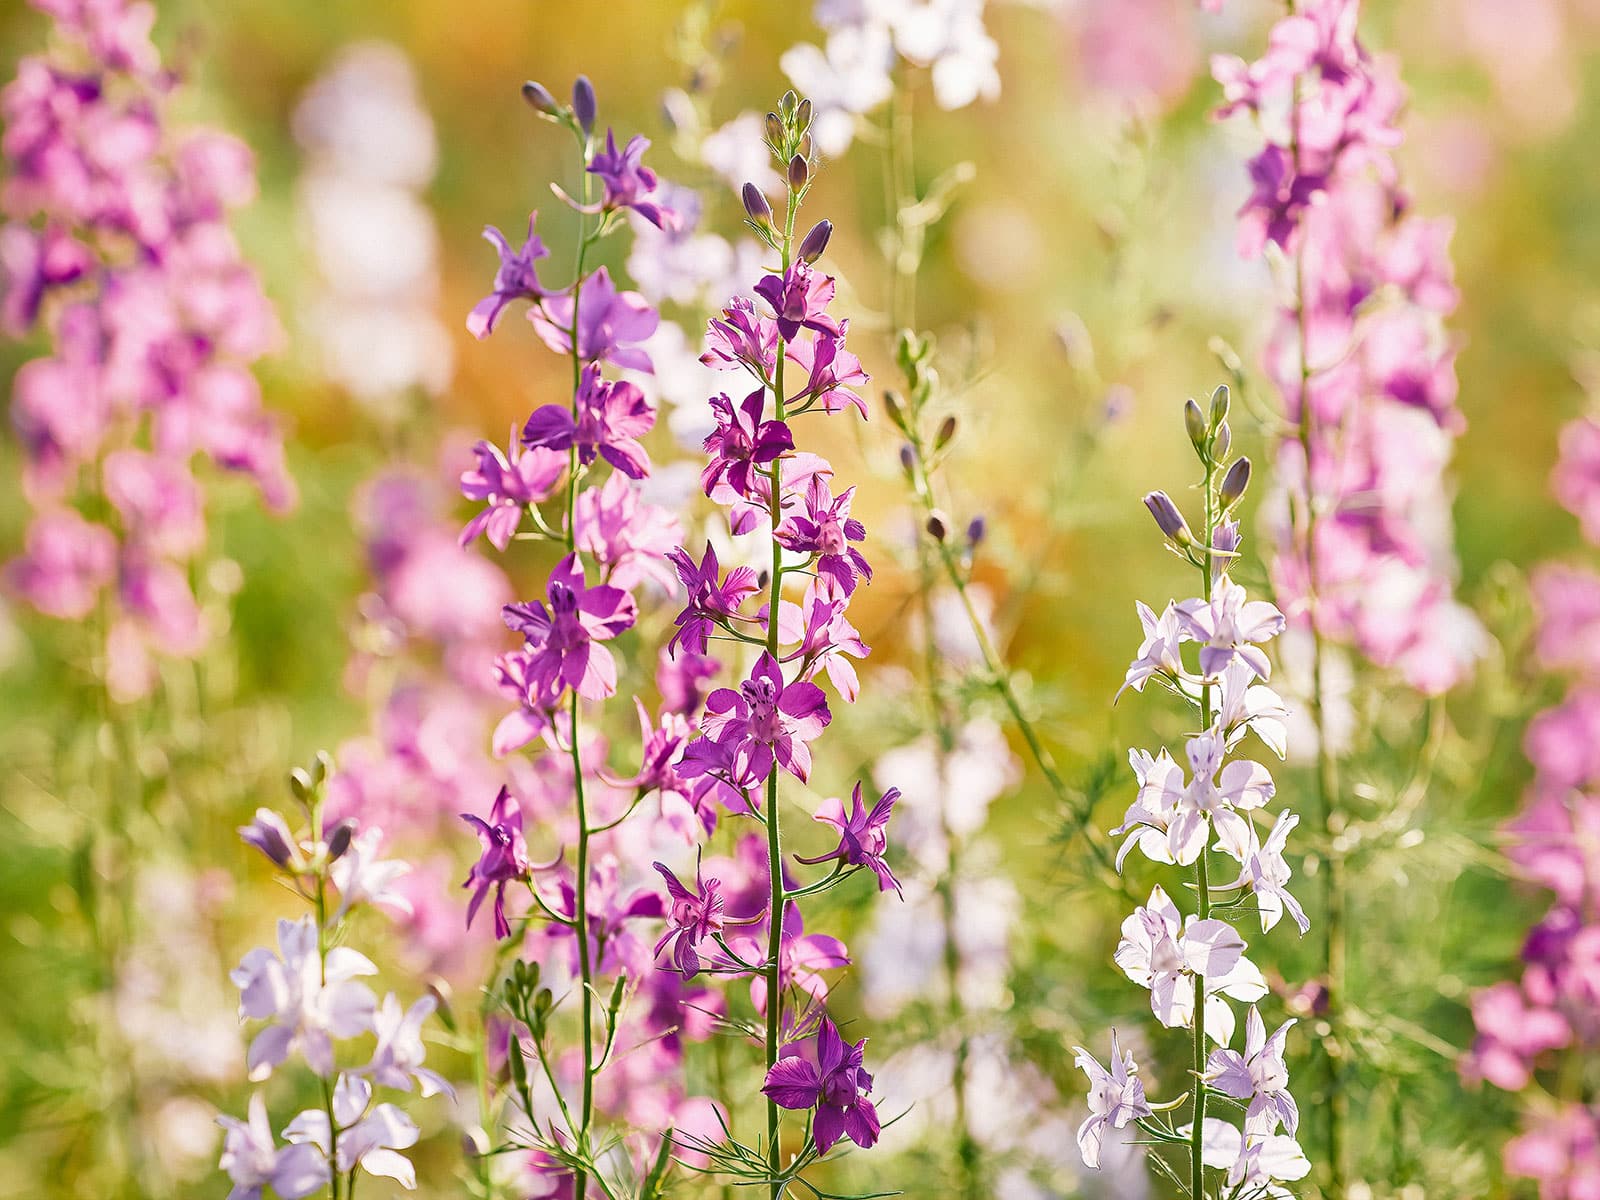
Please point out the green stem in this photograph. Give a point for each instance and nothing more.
(322, 967)
(774, 971)
(1202, 881)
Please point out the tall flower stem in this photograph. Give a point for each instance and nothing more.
(774, 968)
(581, 884)
(1202, 882)
(322, 966)
(1326, 786)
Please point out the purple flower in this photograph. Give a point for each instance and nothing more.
(367, 1136)
(611, 418)
(630, 538)
(254, 1161)
(799, 300)
(628, 182)
(397, 1058)
(563, 639)
(1267, 872)
(831, 371)
(270, 834)
(742, 337)
(515, 279)
(1259, 1075)
(826, 1074)
(692, 918)
(504, 858)
(507, 486)
(741, 444)
(1115, 1098)
(611, 324)
(766, 721)
(680, 679)
(1159, 653)
(1213, 794)
(530, 719)
(826, 529)
(863, 835)
(827, 637)
(712, 599)
(1230, 627)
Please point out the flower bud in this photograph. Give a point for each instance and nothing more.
(802, 115)
(799, 172)
(937, 525)
(519, 1069)
(300, 784)
(774, 132)
(1195, 425)
(947, 430)
(755, 204)
(908, 458)
(1219, 404)
(1168, 518)
(896, 408)
(583, 103)
(539, 97)
(1235, 482)
(321, 766)
(343, 832)
(268, 834)
(804, 148)
(1221, 441)
(977, 529)
(788, 103)
(815, 242)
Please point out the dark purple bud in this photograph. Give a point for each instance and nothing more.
(1194, 423)
(537, 95)
(1221, 442)
(977, 529)
(1219, 404)
(802, 116)
(937, 526)
(799, 172)
(1168, 518)
(815, 242)
(1235, 482)
(583, 103)
(339, 842)
(908, 458)
(268, 834)
(755, 204)
(947, 430)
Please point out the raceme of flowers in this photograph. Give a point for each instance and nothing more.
(1359, 353)
(116, 246)
(1209, 809)
(1541, 1027)
(305, 999)
(717, 924)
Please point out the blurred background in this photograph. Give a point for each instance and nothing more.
(1077, 283)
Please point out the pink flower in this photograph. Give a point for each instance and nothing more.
(68, 562)
(863, 834)
(632, 539)
(766, 721)
(611, 324)
(692, 918)
(506, 486)
(611, 417)
(1576, 479)
(563, 639)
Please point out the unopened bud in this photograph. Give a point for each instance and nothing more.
(804, 147)
(1219, 404)
(908, 458)
(1235, 482)
(340, 841)
(1194, 423)
(799, 172)
(755, 204)
(519, 1069)
(774, 131)
(977, 529)
(268, 834)
(947, 430)
(788, 103)
(937, 526)
(539, 97)
(1221, 442)
(1168, 519)
(816, 241)
(802, 116)
(583, 103)
(300, 784)
(321, 766)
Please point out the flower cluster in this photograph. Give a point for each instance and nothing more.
(116, 243)
(308, 995)
(793, 353)
(584, 923)
(1551, 1018)
(1358, 351)
(1193, 963)
(850, 75)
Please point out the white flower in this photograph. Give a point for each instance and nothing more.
(737, 154)
(397, 1058)
(848, 78)
(254, 1160)
(1267, 873)
(1115, 1098)
(307, 1003)
(1259, 1075)
(369, 1140)
(1162, 950)
(363, 878)
(1249, 705)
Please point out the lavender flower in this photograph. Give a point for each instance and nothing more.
(563, 639)
(1258, 1075)
(504, 858)
(1115, 1098)
(692, 918)
(611, 324)
(515, 279)
(826, 1074)
(254, 1161)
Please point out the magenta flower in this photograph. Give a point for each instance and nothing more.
(530, 719)
(799, 300)
(611, 324)
(30, 264)
(863, 835)
(712, 599)
(826, 528)
(611, 418)
(628, 182)
(826, 1073)
(68, 562)
(503, 860)
(741, 445)
(515, 279)
(692, 918)
(563, 639)
(506, 486)
(681, 680)
(826, 638)
(766, 721)
(742, 337)
(831, 373)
